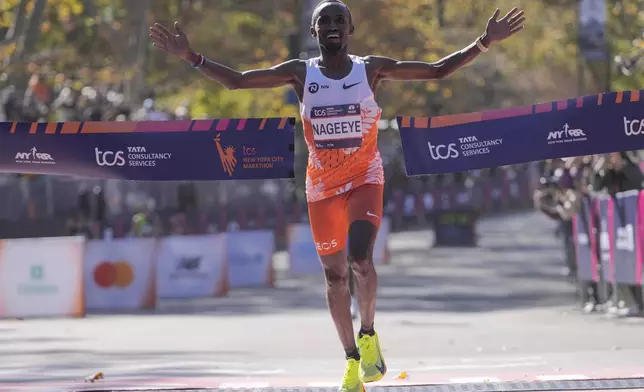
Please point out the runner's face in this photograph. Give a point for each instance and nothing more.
(333, 27)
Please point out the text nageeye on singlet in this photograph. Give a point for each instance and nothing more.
(338, 126)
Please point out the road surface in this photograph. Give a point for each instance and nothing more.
(499, 312)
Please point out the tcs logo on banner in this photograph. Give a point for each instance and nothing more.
(109, 158)
(441, 151)
(118, 274)
(633, 127)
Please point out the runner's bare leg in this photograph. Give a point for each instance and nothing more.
(336, 273)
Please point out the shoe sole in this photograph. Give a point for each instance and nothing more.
(376, 378)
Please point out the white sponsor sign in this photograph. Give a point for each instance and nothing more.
(191, 266)
(303, 257)
(249, 257)
(41, 277)
(119, 274)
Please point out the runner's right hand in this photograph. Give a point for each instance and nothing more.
(175, 43)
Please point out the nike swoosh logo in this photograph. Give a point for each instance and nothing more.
(369, 213)
(344, 86)
(381, 367)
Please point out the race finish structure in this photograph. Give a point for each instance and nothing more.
(595, 124)
(197, 150)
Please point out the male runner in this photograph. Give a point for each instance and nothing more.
(344, 179)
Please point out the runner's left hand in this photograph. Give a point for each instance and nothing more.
(498, 30)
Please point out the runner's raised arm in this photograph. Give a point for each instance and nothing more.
(177, 44)
(385, 68)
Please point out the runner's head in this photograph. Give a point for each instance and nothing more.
(332, 25)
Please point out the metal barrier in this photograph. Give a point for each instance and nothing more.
(609, 243)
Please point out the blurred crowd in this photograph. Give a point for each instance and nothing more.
(63, 98)
(562, 187)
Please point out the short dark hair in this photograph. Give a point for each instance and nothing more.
(322, 3)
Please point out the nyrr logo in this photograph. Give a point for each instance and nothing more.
(227, 156)
(441, 151)
(33, 156)
(633, 127)
(566, 135)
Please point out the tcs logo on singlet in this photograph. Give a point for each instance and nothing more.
(327, 245)
(118, 274)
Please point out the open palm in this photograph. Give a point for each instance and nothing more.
(498, 30)
(175, 43)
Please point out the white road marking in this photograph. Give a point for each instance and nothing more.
(323, 384)
(562, 377)
(472, 366)
(468, 380)
(234, 385)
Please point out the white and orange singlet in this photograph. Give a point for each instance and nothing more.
(344, 175)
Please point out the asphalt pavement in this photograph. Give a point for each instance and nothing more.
(500, 312)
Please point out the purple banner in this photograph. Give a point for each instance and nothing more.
(625, 263)
(596, 124)
(191, 150)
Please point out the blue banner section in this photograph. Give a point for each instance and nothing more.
(197, 150)
(596, 124)
(625, 208)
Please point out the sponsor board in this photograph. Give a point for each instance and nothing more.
(192, 266)
(42, 277)
(120, 274)
(302, 255)
(249, 258)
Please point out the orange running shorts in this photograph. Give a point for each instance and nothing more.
(330, 218)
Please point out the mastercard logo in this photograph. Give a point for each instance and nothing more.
(113, 274)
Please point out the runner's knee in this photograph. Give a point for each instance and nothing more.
(336, 272)
(361, 235)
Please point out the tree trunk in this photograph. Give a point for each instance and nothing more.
(27, 46)
(18, 25)
(135, 53)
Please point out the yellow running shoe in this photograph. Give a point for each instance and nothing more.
(372, 364)
(351, 381)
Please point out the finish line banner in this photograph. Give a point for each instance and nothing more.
(197, 150)
(596, 124)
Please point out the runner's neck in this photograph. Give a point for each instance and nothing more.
(336, 64)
